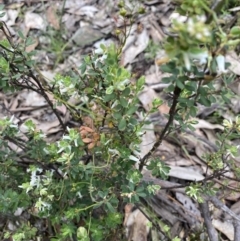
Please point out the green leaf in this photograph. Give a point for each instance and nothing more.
(122, 124)
(117, 115)
(169, 68)
(110, 207)
(170, 88)
(5, 43)
(4, 65)
(191, 86)
(21, 34)
(131, 110)
(235, 31)
(226, 99)
(134, 176)
(191, 127)
(159, 168)
(119, 71)
(140, 82)
(167, 80)
(109, 97)
(133, 121)
(193, 111)
(123, 102)
(82, 234)
(203, 100)
(136, 198)
(189, 103)
(157, 102)
(101, 194)
(180, 84)
(83, 68)
(109, 90)
(141, 194)
(126, 92)
(2, 7)
(29, 41)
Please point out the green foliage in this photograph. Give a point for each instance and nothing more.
(79, 182)
(58, 184)
(159, 169)
(151, 50)
(25, 232)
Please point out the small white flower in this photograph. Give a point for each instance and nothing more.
(201, 18)
(104, 56)
(46, 150)
(221, 64)
(187, 61)
(190, 22)
(114, 151)
(41, 205)
(66, 137)
(202, 57)
(178, 17)
(199, 36)
(190, 26)
(35, 180)
(206, 32)
(98, 51)
(133, 158)
(39, 169)
(79, 195)
(228, 123)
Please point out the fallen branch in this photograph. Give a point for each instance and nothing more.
(212, 233)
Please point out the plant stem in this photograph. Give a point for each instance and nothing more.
(172, 111)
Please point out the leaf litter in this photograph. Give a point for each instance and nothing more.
(88, 23)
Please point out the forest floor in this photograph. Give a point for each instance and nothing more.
(64, 31)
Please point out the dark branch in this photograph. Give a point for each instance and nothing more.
(212, 233)
(172, 112)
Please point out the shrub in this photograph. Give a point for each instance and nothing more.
(75, 188)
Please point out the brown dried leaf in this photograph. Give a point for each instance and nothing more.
(137, 46)
(33, 99)
(224, 227)
(128, 210)
(147, 96)
(185, 173)
(84, 133)
(62, 108)
(87, 140)
(34, 21)
(88, 121)
(52, 17)
(232, 58)
(86, 128)
(164, 108)
(148, 139)
(96, 136)
(91, 145)
(207, 125)
(136, 226)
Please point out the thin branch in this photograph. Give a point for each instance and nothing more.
(185, 214)
(152, 221)
(172, 112)
(43, 93)
(218, 204)
(30, 73)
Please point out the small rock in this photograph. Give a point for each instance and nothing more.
(86, 35)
